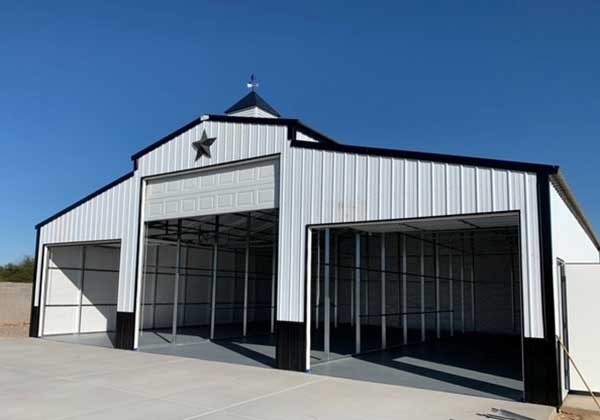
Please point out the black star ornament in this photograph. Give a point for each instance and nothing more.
(202, 146)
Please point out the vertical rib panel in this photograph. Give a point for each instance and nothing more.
(425, 188)
(342, 187)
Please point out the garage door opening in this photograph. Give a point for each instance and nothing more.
(80, 293)
(430, 303)
(209, 287)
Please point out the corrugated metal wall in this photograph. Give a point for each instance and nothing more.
(114, 214)
(316, 187)
(235, 141)
(108, 216)
(319, 187)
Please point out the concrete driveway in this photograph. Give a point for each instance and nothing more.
(42, 379)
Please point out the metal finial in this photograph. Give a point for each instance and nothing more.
(252, 83)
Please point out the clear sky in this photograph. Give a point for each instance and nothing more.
(84, 85)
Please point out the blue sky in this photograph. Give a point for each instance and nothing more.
(84, 85)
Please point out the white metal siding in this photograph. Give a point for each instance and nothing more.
(320, 187)
(583, 289)
(235, 141)
(571, 244)
(111, 215)
(114, 214)
(252, 112)
(244, 187)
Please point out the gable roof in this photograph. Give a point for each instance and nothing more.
(324, 142)
(251, 100)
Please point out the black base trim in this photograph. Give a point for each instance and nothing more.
(539, 372)
(585, 393)
(291, 346)
(34, 321)
(125, 330)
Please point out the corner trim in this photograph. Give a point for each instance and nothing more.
(34, 317)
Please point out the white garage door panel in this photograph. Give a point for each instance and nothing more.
(103, 258)
(61, 319)
(98, 318)
(100, 287)
(81, 279)
(63, 287)
(583, 311)
(66, 257)
(246, 187)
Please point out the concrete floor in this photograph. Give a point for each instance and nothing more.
(252, 351)
(44, 379)
(476, 365)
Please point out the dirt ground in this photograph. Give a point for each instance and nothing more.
(14, 330)
(577, 414)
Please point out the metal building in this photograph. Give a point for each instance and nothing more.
(252, 225)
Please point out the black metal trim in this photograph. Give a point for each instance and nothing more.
(414, 219)
(34, 317)
(165, 139)
(541, 373)
(291, 346)
(433, 157)
(125, 330)
(574, 392)
(83, 200)
(293, 125)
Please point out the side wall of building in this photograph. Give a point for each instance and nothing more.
(572, 245)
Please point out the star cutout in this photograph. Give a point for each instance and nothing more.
(202, 146)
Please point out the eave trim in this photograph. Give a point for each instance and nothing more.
(434, 157)
(561, 185)
(85, 199)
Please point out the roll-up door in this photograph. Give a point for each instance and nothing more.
(251, 186)
(81, 289)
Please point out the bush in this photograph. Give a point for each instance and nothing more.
(21, 272)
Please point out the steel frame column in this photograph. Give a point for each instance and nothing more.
(176, 285)
(83, 252)
(473, 282)
(186, 256)
(213, 288)
(436, 263)
(246, 268)
(462, 283)
(422, 260)
(451, 287)
(336, 245)
(357, 293)
(404, 290)
(155, 288)
(318, 281)
(512, 289)
(383, 303)
(352, 297)
(273, 285)
(326, 298)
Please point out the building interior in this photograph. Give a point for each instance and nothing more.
(431, 303)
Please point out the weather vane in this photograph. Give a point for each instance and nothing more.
(252, 83)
